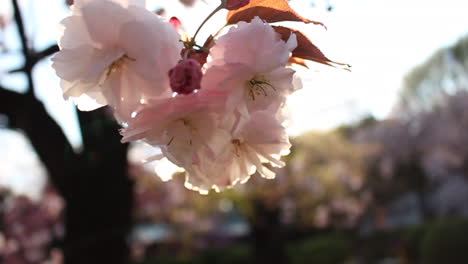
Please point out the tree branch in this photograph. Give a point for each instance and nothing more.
(45, 53)
(95, 184)
(27, 113)
(45, 134)
(20, 24)
(24, 45)
(36, 57)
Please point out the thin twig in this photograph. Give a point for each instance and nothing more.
(28, 66)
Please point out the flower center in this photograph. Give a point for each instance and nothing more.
(237, 146)
(258, 86)
(117, 64)
(188, 128)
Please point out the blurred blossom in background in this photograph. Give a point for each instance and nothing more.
(379, 166)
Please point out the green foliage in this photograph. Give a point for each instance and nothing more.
(378, 246)
(348, 130)
(232, 255)
(446, 242)
(400, 244)
(323, 169)
(328, 249)
(427, 85)
(171, 261)
(460, 52)
(413, 237)
(429, 243)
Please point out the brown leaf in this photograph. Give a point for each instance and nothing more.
(298, 61)
(306, 50)
(269, 10)
(210, 41)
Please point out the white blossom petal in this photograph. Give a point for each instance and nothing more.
(117, 53)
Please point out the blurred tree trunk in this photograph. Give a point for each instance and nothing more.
(94, 183)
(267, 234)
(99, 196)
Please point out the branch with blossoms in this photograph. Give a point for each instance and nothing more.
(216, 109)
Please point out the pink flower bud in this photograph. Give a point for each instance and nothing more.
(235, 4)
(198, 55)
(186, 76)
(175, 22)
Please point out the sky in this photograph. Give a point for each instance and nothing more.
(381, 39)
(24, 175)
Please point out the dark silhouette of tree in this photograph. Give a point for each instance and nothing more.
(93, 183)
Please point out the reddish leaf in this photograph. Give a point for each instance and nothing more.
(298, 61)
(269, 10)
(209, 42)
(305, 49)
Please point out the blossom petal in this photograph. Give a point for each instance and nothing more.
(139, 39)
(88, 62)
(255, 44)
(103, 20)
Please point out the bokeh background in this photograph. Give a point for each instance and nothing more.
(378, 171)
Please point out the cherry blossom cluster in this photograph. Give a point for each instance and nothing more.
(216, 110)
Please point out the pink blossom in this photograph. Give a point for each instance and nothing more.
(251, 90)
(186, 76)
(255, 44)
(219, 116)
(250, 63)
(180, 126)
(116, 53)
(263, 140)
(232, 127)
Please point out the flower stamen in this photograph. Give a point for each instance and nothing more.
(237, 145)
(118, 63)
(190, 127)
(170, 141)
(115, 65)
(258, 87)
